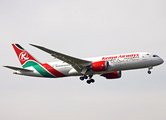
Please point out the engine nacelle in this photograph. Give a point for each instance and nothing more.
(100, 66)
(113, 75)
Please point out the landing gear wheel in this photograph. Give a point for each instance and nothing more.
(82, 78)
(149, 72)
(151, 67)
(92, 80)
(88, 81)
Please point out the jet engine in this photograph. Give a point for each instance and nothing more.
(100, 66)
(113, 75)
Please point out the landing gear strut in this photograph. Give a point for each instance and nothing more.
(149, 72)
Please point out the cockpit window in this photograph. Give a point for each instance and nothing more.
(155, 56)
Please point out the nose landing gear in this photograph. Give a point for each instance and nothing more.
(149, 72)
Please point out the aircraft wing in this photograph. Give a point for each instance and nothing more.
(79, 64)
(16, 68)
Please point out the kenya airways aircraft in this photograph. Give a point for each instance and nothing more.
(109, 66)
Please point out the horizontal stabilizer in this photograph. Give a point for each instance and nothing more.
(16, 68)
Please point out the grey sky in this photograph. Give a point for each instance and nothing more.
(83, 29)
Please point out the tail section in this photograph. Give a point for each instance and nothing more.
(24, 57)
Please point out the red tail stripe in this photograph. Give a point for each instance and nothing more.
(53, 71)
(23, 55)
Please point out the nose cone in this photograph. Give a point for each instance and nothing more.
(160, 61)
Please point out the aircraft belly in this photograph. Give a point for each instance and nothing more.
(64, 71)
(136, 65)
(73, 72)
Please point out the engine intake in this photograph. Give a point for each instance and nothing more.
(100, 66)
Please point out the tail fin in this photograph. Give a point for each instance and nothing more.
(24, 57)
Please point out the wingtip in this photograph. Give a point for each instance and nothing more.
(33, 45)
(6, 66)
(37, 46)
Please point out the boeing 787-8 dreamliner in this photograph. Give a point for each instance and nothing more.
(109, 66)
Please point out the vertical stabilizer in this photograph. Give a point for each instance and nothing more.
(24, 57)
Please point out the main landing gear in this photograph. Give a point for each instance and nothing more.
(83, 77)
(149, 72)
(86, 77)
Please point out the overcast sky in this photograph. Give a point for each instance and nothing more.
(83, 28)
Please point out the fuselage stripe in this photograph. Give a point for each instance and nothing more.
(53, 71)
(38, 67)
(44, 69)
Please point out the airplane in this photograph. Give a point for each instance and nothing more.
(109, 66)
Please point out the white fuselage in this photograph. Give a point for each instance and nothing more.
(118, 62)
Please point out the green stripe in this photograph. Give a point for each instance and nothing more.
(38, 67)
(29, 63)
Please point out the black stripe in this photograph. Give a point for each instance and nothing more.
(19, 46)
